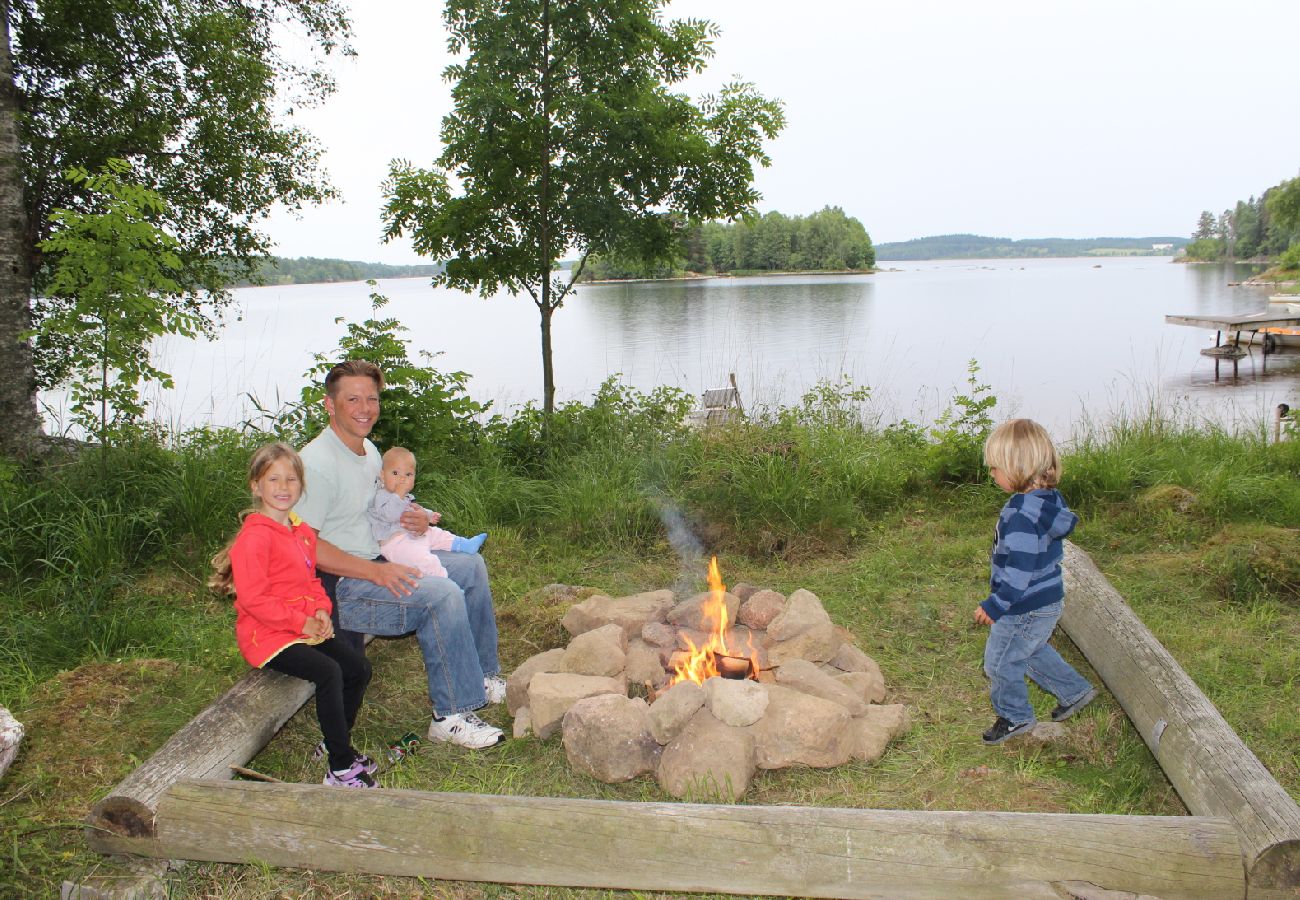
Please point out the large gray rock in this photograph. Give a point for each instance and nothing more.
(805, 676)
(870, 686)
(744, 591)
(659, 634)
(673, 709)
(644, 663)
(869, 738)
(550, 694)
(849, 658)
(760, 609)
(692, 613)
(608, 737)
(708, 761)
(893, 716)
(602, 651)
(517, 683)
(818, 644)
(737, 702)
(802, 613)
(629, 613)
(800, 729)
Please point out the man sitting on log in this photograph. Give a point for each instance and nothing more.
(453, 617)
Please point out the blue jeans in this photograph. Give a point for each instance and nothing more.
(454, 624)
(1017, 646)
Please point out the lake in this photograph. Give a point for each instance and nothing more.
(1056, 339)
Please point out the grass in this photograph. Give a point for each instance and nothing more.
(110, 642)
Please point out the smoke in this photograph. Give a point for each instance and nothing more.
(689, 549)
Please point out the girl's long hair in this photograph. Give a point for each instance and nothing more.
(223, 579)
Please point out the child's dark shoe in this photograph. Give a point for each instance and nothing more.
(1063, 712)
(1003, 730)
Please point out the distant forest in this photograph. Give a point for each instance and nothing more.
(1262, 228)
(974, 246)
(312, 270)
(827, 240)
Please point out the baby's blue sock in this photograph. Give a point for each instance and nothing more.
(468, 545)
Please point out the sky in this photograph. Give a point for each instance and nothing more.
(1007, 118)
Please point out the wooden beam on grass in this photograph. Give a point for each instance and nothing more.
(1212, 769)
(228, 733)
(754, 850)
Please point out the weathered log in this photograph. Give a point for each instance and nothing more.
(228, 733)
(1212, 769)
(768, 850)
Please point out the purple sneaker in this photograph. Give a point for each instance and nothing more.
(355, 776)
(367, 763)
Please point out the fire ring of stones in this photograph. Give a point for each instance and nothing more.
(814, 701)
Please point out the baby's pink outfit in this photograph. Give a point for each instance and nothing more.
(399, 545)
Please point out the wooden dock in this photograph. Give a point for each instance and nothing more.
(1235, 325)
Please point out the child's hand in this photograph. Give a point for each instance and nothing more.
(319, 626)
(981, 617)
(434, 517)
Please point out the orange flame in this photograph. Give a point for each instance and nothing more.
(700, 662)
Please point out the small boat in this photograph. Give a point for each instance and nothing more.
(1284, 298)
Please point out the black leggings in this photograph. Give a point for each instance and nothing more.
(340, 675)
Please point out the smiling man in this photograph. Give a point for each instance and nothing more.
(453, 618)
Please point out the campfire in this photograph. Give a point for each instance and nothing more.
(734, 682)
(714, 657)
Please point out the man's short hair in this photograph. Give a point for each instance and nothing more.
(353, 368)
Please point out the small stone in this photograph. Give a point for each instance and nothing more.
(760, 609)
(805, 676)
(868, 739)
(870, 686)
(737, 702)
(699, 613)
(893, 717)
(630, 613)
(659, 634)
(744, 591)
(673, 709)
(1047, 733)
(602, 651)
(643, 663)
(849, 658)
(818, 644)
(517, 683)
(550, 694)
(523, 725)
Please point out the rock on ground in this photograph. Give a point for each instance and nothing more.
(736, 702)
(673, 709)
(550, 694)
(709, 761)
(799, 729)
(601, 651)
(608, 737)
(517, 683)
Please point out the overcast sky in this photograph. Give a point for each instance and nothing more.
(1010, 118)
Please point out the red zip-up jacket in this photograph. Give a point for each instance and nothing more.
(276, 588)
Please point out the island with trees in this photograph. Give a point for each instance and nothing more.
(825, 241)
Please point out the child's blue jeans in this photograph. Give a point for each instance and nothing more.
(1017, 647)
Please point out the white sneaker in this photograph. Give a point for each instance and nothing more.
(495, 686)
(465, 730)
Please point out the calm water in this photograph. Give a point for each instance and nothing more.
(1056, 339)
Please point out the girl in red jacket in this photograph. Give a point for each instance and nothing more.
(282, 613)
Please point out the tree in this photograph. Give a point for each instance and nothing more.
(1284, 205)
(115, 291)
(1204, 226)
(564, 137)
(194, 94)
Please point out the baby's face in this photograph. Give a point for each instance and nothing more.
(399, 473)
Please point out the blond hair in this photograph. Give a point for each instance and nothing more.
(1022, 450)
(223, 578)
(393, 452)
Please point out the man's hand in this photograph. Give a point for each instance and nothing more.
(399, 579)
(415, 519)
(981, 617)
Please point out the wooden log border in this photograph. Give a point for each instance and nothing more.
(1238, 809)
(781, 850)
(1212, 769)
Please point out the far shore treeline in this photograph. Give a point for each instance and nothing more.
(976, 246)
(316, 270)
(827, 240)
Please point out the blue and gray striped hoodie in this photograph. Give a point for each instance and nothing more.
(1027, 553)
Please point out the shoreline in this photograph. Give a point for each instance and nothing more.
(728, 275)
